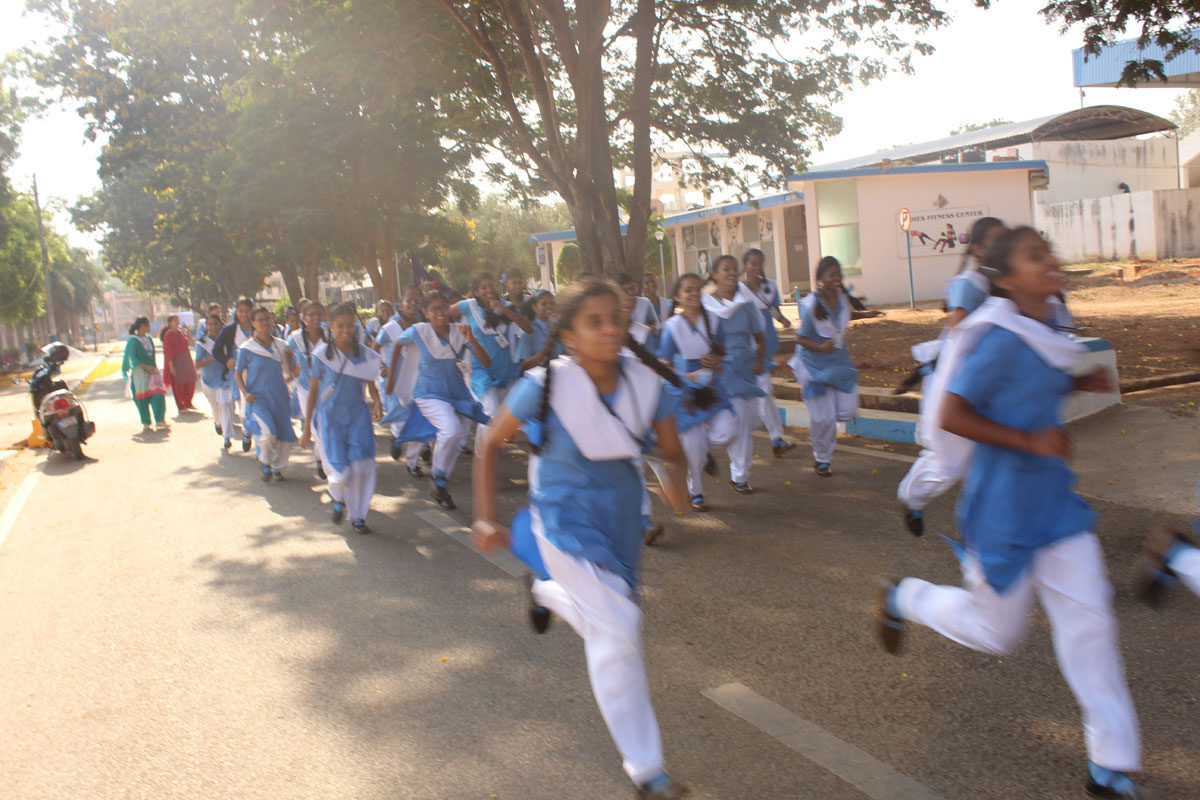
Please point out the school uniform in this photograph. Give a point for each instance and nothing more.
(405, 366)
(533, 343)
(699, 429)
(303, 355)
(345, 428)
(766, 299)
(739, 323)
(269, 418)
(443, 407)
(829, 380)
(215, 385)
(228, 342)
(585, 522)
(1025, 530)
(653, 316)
(488, 383)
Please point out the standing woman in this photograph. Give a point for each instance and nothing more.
(346, 425)
(301, 347)
(145, 381)
(999, 385)
(822, 362)
(403, 361)
(692, 340)
(745, 353)
(259, 373)
(444, 407)
(493, 323)
(179, 370)
(764, 293)
(214, 381)
(593, 410)
(229, 340)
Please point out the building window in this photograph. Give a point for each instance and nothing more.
(700, 247)
(752, 231)
(837, 224)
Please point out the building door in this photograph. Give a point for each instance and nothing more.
(796, 241)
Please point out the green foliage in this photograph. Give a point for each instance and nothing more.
(498, 237)
(967, 127)
(1186, 114)
(569, 265)
(21, 296)
(280, 308)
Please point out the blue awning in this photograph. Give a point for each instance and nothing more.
(916, 169)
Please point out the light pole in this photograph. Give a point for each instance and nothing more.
(662, 269)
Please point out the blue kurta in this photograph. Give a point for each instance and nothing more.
(439, 379)
(343, 416)
(768, 292)
(589, 509)
(272, 406)
(686, 415)
(962, 293)
(212, 374)
(504, 368)
(1013, 502)
(828, 370)
(532, 343)
(736, 376)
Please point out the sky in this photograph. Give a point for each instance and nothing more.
(1004, 62)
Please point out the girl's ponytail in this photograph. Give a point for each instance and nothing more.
(702, 397)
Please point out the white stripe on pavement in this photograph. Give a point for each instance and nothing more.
(13, 510)
(856, 767)
(503, 559)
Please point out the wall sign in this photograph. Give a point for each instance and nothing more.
(938, 231)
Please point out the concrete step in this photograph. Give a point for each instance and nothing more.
(888, 426)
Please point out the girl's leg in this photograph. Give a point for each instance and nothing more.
(822, 425)
(924, 482)
(847, 405)
(143, 407)
(490, 402)
(768, 412)
(695, 447)
(451, 432)
(412, 454)
(975, 616)
(225, 415)
(158, 404)
(360, 488)
(189, 392)
(741, 447)
(177, 393)
(1073, 586)
(1185, 563)
(599, 606)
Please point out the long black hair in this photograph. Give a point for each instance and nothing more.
(137, 323)
(979, 231)
(308, 344)
(824, 265)
(342, 310)
(568, 303)
(714, 347)
(490, 317)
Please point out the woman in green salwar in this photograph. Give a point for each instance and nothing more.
(145, 382)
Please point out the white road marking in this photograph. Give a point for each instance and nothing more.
(13, 510)
(856, 767)
(449, 526)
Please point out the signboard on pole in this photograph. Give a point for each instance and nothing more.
(905, 219)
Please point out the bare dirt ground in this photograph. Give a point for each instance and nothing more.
(1148, 311)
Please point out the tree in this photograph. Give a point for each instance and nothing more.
(967, 127)
(497, 236)
(1186, 114)
(569, 265)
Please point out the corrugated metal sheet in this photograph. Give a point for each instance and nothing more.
(1105, 68)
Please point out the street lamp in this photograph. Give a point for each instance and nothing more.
(662, 269)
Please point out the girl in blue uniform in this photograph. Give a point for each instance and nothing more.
(822, 363)
(693, 342)
(660, 309)
(259, 373)
(592, 411)
(529, 350)
(402, 361)
(345, 424)
(214, 380)
(301, 348)
(764, 293)
(999, 383)
(745, 353)
(443, 406)
(495, 324)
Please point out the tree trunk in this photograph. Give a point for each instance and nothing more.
(311, 266)
(644, 25)
(291, 280)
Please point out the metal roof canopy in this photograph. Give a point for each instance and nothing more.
(1104, 69)
(1083, 124)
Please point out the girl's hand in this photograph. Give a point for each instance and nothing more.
(488, 536)
(465, 330)
(376, 411)
(1049, 442)
(1098, 380)
(383, 372)
(249, 397)
(709, 361)
(826, 346)
(757, 367)
(305, 438)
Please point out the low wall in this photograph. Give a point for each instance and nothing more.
(1150, 225)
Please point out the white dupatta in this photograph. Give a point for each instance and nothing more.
(436, 347)
(410, 366)
(691, 342)
(275, 353)
(340, 363)
(481, 325)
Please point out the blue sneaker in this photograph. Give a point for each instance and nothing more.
(661, 787)
(698, 503)
(266, 474)
(824, 469)
(339, 511)
(360, 526)
(1111, 785)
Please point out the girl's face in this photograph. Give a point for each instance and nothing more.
(143, 329)
(515, 285)
(598, 330)
(649, 286)
(262, 323)
(831, 279)
(1033, 269)
(437, 312)
(313, 316)
(384, 310)
(628, 297)
(214, 325)
(689, 294)
(410, 306)
(343, 330)
(726, 274)
(486, 290)
(543, 309)
(243, 312)
(754, 267)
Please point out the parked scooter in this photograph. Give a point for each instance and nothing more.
(62, 417)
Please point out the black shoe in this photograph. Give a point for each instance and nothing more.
(824, 469)
(427, 454)
(339, 512)
(360, 526)
(539, 616)
(217, 428)
(781, 448)
(321, 471)
(246, 444)
(1132, 792)
(891, 628)
(466, 450)
(1152, 576)
(228, 444)
(914, 521)
(441, 496)
(265, 474)
(397, 450)
(741, 487)
(663, 788)
(276, 474)
(698, 503)
(653, 532)
(416, 471)
(710, 465)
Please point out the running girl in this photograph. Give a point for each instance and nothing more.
(229, 340)
(745, 353)
(692, 340)
(594, 411)
(530, 349)
(301, 346)
(259, 374)
(402, 362)
(999, 384)
(214, 381)
(444, 407)
(764, 293)
(346, 426)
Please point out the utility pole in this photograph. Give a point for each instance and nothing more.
(45, 262)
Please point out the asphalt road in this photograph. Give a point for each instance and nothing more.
(172, 628)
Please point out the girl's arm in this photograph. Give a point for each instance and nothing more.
(531, 362)
(376, 403)
(517, 318)
(760, 353)
(480, 352)
(956, 316)
(817, 347)
(675, 489)
(961, 419)
(204, 362)
(486, 534)
(391, 376)
(291, 368)
(314, 386)
(240, 377)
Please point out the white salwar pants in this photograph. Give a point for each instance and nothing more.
(741, 447)
(1186, 565)
(768, 412)
(491, 403)
(1071, 582)
(716, 432)
(927, 479)
(824, 413)
(452, 430)
(302, 398)
(599, 606)
(271, 451)
(220, 400)
(353, 487)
